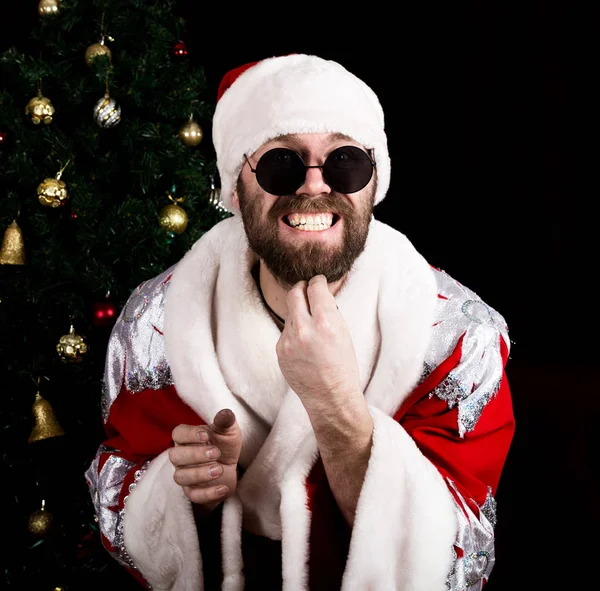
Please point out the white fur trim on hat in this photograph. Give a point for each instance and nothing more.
(295, 94)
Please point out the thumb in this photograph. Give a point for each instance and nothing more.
(224, 420)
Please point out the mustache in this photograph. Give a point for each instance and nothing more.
(295, 204)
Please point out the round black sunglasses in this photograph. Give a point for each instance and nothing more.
(281, 171)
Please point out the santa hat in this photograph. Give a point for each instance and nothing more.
(293, 94)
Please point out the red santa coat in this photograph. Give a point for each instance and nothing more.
(198, 338)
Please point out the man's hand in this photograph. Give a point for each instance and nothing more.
(315, 351)
(205, 459)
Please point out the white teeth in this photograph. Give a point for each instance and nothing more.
(320, 221)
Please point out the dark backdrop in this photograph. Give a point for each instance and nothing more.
(492, 118)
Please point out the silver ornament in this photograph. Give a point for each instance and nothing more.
(214, 197)
(106, 112)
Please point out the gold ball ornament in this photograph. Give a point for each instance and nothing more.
(48, 7)
(52, 192)
(72, 347)
(40, 109)
(40, 523)
(173, 218)
(97, 50)
(106, 112)
(191, 133)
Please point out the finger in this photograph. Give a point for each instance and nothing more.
(204, 495)
(190, 455)
(298, 306)
(319, 297)
(198, 475)
(186, 434)
(224, 421)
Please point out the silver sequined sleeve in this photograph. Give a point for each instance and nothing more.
(136, 353)
(475, 539)
(469, 387)
(105, 488)
(476, 379)
(135, 359)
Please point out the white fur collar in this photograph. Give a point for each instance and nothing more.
(220, 343)
(220, 340)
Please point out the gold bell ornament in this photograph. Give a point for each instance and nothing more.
(72, 347)
(97, 50)
(12, 251)
(40, 109)
(48, 7)
(40, 522)
(52, 192)
(191, 133)
(45, 423)
(173, 217)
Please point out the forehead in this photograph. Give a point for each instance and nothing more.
(306, 142)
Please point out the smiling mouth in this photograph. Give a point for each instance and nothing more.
(311, 222)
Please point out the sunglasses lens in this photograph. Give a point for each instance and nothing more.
(280, 171)
(348, 169)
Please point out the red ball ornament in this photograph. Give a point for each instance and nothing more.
(179, 49)
(104, 312)
(2, 138)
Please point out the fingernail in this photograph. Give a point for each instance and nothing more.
(215, 470)
(202, 436)
(213, 453)
(222, 490)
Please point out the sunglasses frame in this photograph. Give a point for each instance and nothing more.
(368, 152)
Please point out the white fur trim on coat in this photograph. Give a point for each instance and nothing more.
(220, 342)
(295, 94)
(159, 530)
(404, 524)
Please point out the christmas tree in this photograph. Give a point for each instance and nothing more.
(106, 180)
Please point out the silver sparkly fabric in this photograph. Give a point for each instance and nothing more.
(489, 508)
(124, 556)
(475, 538)
(145, 365)
(476, 378)
(105, 488)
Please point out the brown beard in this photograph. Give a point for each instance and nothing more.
(290, 264)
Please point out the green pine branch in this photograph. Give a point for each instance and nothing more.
(106, 239)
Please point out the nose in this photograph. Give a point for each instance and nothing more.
(314, 183)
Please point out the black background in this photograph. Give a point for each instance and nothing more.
(492, 120)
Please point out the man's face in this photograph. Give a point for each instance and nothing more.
(294, 254)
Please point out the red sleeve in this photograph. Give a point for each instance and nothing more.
(138, 428)
(140, 423)
(475, 460)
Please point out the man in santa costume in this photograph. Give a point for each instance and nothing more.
(303, 402)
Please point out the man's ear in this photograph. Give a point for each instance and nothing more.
(234, 198)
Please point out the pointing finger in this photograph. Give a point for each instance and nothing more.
(189, 434)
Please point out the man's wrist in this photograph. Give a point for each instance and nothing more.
(350, 423)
